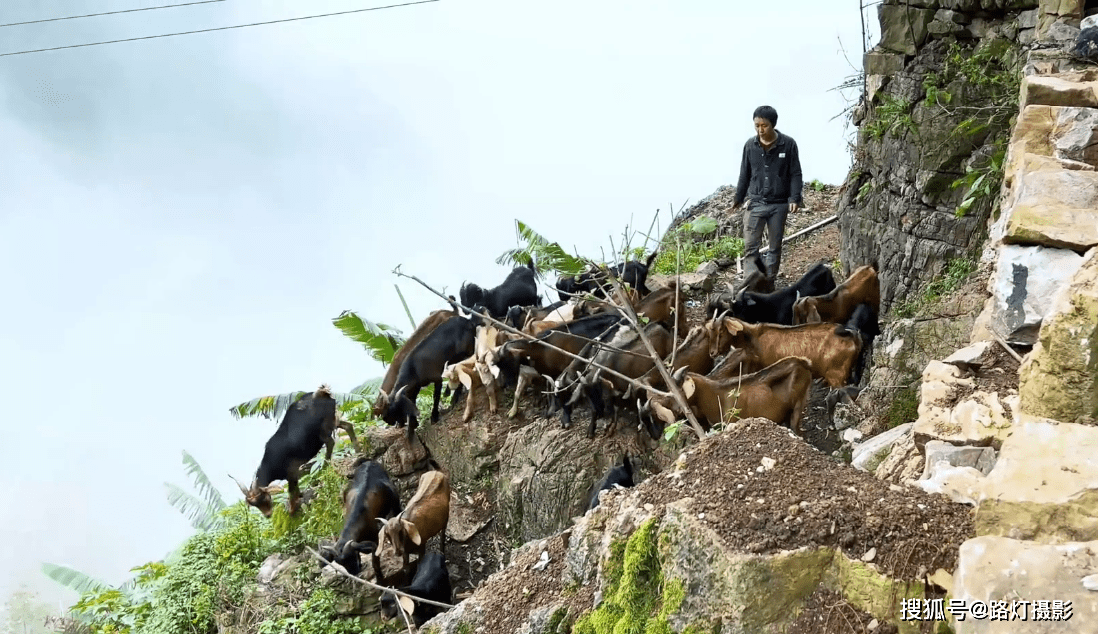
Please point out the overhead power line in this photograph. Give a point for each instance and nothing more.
(92, 15)
(221, 28)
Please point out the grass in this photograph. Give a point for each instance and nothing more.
(956, 272)
(693, 254)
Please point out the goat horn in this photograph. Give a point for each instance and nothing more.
(396, 397)
(242, 487)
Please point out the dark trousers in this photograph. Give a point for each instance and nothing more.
(756, 217)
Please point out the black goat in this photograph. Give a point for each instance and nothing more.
(620, 475)
(432, 581)
(634, 273)
(518, 316)
(519, 289)
(777, 307)
(547, 362)
(371, 496)
(864, 321)
(306, 427)
(452, 341)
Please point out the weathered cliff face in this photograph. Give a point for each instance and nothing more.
(941, 89)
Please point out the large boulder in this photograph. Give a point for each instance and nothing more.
(1055, 208)
(1044, 486)
(1059, 90)
(546, 472)
(1010, 572)
(1059, 377)
(903, 29)
(1022, 288)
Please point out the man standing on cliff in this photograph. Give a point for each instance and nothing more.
(771, 183)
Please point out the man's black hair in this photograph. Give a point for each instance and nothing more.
(766, 112)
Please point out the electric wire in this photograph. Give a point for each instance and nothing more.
(221, 28)
(92, 15)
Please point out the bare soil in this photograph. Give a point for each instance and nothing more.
(805, 500)
(999, 375)
(826, 612)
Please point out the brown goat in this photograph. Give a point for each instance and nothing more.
(777, 392)
(425, 327)
(660, 306)
(837, 307)
(831, 349)
(628, 355)
(425, 515)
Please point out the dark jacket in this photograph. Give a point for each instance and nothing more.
(773, 176)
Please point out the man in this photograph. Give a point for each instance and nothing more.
(771, 183)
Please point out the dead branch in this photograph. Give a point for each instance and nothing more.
(527, 336)
(339, 569)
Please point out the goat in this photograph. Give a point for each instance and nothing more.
(307, 426)
(757, 281)
(837, 306)
(425, 327)
(546, 361)
(831, 349)
(432, 581)
(777, 392)
(519, 316)
(450, 342)
(777, 307)
(426, 515)
(370, 496)
(473, 373)
(864, 322)
(634, 273)
(627, 355)
(617, 475)
(518, 289)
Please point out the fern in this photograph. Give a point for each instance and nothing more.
(202, 483)
(275, 406)
(548, 256)
(380, 340)
(197, 512)
(73, 579)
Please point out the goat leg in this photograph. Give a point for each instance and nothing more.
(492, 404)
(349, 428)
(468, 407)
(438, 395)
(329, 445)
(523, 380)
(295, 496)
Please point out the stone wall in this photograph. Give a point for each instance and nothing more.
(1036, 506)
(899, 207)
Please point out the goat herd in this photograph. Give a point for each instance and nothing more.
(756, 355)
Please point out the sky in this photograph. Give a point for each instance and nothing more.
(181, 218)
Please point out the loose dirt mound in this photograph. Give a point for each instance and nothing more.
(804, 500)
(807, 499)
(508, 598)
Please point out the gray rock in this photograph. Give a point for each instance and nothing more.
(707, 268)
(1027, 19)
(939, 451)
(987, 460)
(1060, 31)
(847, 416)
(1075, 135)
(864, 453)
(1023, 285)
(268, 567)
